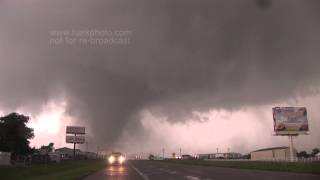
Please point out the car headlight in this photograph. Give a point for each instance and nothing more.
(111, 159)
(122, 159)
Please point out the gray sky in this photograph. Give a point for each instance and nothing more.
(184, 61)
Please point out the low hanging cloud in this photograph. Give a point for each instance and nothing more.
(174, 59)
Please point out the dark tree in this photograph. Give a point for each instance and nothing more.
(302, 154)
(151, 157)
(314, 152)
(51, 147)
(14, 134)
(48, 148)
(246, 156)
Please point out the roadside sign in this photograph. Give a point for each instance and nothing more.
(75, 130)
(290, 120)
(75, 139)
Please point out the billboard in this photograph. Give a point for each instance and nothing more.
(75, 130)
(290, 120)
(75, 139)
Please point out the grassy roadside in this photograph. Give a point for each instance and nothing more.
(63, 170)
(298, 167)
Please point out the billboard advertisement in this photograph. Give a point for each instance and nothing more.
(290, 120)
(75, 130)
(75, 139)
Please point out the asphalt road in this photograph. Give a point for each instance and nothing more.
(150, 170)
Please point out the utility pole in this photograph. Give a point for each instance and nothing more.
(74, 148)
(74, 151)
(163, 153)
(180, 153)
(87, 146)
(291, 148)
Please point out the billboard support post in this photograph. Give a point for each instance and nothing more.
(291, 148)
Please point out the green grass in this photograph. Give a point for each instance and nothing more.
(298, 167)
(63, 170)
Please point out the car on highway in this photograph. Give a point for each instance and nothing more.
(116, 158)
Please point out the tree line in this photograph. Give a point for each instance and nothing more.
(15, 135)
(304, 154)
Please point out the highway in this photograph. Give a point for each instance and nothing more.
(151, 170)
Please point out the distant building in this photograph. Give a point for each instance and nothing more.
(274, 153)
(91, 155)
(186, 157)
(230, 155)
(205, 156)
(67, 153)
(38, 158)
(55, 157)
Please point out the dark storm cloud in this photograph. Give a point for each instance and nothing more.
(183, 57)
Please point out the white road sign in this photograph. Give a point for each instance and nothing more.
(75, 130)
(75, 139)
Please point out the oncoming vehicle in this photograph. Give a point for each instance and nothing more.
(116, 158)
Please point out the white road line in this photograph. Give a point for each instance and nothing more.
(167, 171)
(192, 178)
(139, 172)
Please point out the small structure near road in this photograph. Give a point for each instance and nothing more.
(186, 157)
(5, 158)
(67, 153)
(45, 154)
(274, 153)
